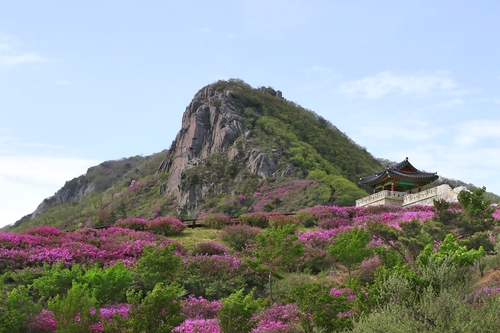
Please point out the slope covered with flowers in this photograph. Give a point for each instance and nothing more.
(326, 269)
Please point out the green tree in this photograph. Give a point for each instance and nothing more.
(158, 312)
(275, 249)
(236, 312)
(158, 265)
(108, 284)
(19, 312)
(77, 312)
(350, 247)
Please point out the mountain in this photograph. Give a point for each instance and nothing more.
(239, 149)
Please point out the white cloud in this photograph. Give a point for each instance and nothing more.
(386, 83)
(470, 133)
(12, 60)
(26, 180)
(450, 104)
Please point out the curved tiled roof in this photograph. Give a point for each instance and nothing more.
(402, 171)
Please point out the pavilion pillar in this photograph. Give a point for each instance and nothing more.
(419, 189)
(392, 187)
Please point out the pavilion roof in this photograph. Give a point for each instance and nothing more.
(402, 171)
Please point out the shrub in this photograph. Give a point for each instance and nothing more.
(307, 219)
(108, 284)
(209, 248)
(282, 220)
(279, 319)
(333, 222)
(257, 219)
(158, 265)
(215, 221)
(199, 308)
(158, 312)
(239, 236)
(236, 313)
(74, 312)
(133, 223)
(166, 226)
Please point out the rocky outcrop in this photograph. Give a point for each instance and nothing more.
(211, 123)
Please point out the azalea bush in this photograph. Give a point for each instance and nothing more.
(209, 248)
(166, 226)
(238, 237)
(257, 219)
(215, 221)
(133, 223)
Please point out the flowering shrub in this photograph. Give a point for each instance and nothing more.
(307, 218)
(334, 222)
(282, 220)
(209, 248)
(43, 231)
(215, 221)
(166, 226)
(367, 269)
(214, 276)
(199, 308)
(198, 326)
(279, 319)
(257, 219)
(133, 223)
(239, 236)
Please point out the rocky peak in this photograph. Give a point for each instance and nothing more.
(211, 123)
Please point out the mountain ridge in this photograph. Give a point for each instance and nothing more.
(239, 149)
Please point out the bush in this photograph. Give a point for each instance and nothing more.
(257, 219)
(133, 223)
(158, 312)
(334, 222)
(307, 219)
(236, 313)
(166, 226)
(158, 265)
(282, 220)
(108, 285)
(239, 236)
(215, 221)
(209, 248)
(74, 313)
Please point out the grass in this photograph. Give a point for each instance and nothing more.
(192, 236)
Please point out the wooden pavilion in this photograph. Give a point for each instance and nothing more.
(399, 177)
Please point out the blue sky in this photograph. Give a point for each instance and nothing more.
(89, 81)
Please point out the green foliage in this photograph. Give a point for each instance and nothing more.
(275, 250)
(19, 311)
(325, 309)
(257, 219)
(56, 280)
(158, 265)
(307, 219)
(73, 313)
(110, 284)
(461, 256)
(215, 221)
(350, 247)
(158, 312)
(236, 311)
(447, 312)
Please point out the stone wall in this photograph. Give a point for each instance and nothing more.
(426, 197)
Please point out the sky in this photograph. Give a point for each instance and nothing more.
(82, 82)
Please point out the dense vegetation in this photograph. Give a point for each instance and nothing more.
(325, 269)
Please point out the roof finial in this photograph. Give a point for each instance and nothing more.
(407, 158)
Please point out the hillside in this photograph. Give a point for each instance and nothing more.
(239, 149)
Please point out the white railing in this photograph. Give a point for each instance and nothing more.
(382, 195)
(416, 197)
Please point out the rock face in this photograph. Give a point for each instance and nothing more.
(211, 123)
